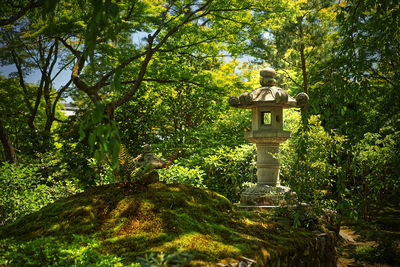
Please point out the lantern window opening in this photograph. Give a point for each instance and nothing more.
(266, 118)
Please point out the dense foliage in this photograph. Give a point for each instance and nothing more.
(51, 251)
(24, 190)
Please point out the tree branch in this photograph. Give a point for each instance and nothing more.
(55, 45)
(103, 80)
(291, 64)
(149, 53)
(81, 85)
(161, 81)
(37, 61)
(130, 11)
(59, 94)
(192, 44)
(226, 18)
(20, 13)
(61, 69)
(183, 22)
(21, 80)
(75, 52)
(383, 77)
(287, 75)
(125, 98)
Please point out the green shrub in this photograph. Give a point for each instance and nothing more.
(387, 251)
(225, 170)
(23, 191)
(327, 170)
(227, 130)
(49, 251)
(375, 166)
(228, 169)
(103, 172)
(74, 153)
(309, 164)
(177, 173)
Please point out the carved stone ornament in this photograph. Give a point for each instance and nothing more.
(267, 104)
(268, 94)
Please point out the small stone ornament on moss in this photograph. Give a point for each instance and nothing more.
(139, 170)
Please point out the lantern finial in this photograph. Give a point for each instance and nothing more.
(267, 77)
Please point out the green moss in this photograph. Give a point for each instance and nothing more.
(160, 218)
(202, 245)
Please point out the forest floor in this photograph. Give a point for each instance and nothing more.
(350, 242)
(376, 243)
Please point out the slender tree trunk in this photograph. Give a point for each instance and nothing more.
(304, 109)
(48, 109)
(303, 60)
(7, 145)
(46, 74)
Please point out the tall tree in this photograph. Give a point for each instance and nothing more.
(191, 23)
(30, 51)
(363, 77)
(297, 41)
(8, 146)
(177, 32)
(108, 67)
(15, 132)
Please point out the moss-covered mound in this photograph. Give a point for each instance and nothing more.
(126, 223)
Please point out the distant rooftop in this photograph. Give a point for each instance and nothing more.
(69, 109)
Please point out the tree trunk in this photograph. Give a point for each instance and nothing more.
(303, 60)
(304, 109)
(7, 145)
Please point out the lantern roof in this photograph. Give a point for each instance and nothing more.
(269, 95)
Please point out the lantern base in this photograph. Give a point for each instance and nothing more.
(266, 195)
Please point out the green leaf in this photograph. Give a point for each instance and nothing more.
(117, 79)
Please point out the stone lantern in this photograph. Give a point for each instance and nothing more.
(267, 104)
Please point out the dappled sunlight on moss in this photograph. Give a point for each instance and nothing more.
(201, 245)
(130, 222)
(150, 224)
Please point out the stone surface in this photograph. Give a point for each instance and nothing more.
(302, 99)
(148, 158)
(270, 94)
(267, 104)
(262, 194)
(146, 163)
(267, 72)
(346, 237)
(320, 252)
